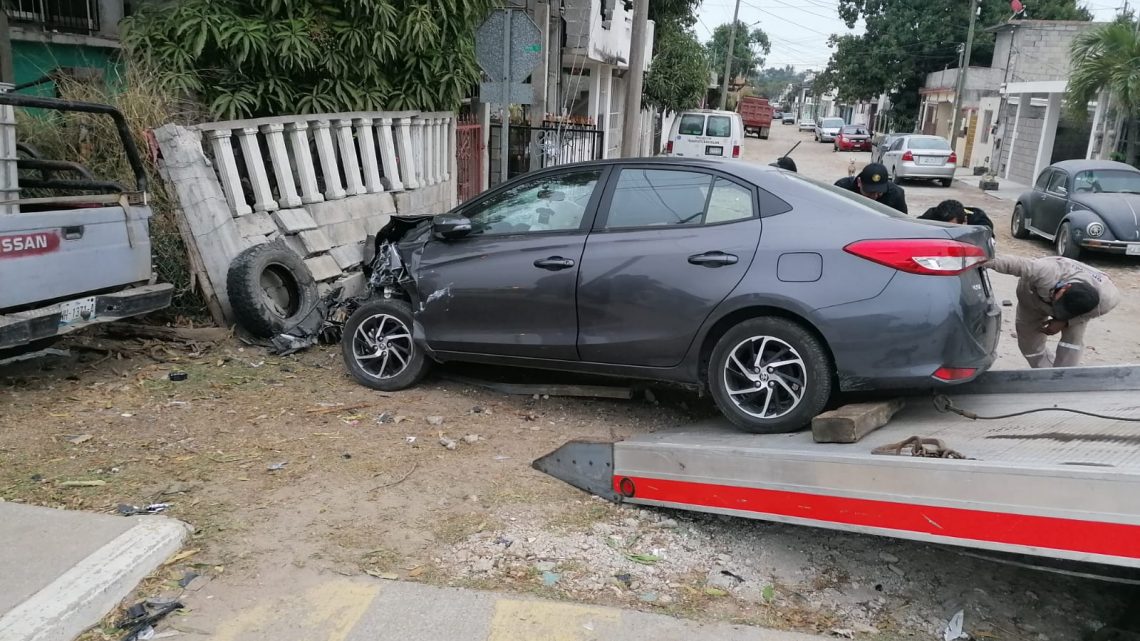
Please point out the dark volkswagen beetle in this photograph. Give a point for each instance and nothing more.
(1083, 204)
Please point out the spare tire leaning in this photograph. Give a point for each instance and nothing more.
(270, 289)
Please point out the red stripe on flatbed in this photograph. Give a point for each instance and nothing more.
(1093, 537)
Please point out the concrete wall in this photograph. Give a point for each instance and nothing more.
(1040, 49)
(391, 162)
(590, 33)
(1019, 153)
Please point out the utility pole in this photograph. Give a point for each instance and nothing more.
(728, 57)
(962, 76)
(631, 123)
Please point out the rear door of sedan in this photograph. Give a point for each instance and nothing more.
(670, 242)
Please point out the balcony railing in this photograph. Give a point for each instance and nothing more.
(71, 16)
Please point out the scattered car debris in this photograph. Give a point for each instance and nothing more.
(410, 440)
(95, 483)
(133, 510)
(385, 417)
(732, 575)
(434, 420)
(188, 578)
(50, 351)
(955, 627)
(80, 440)
(177, 376)
(549, 579)
(273, 467)
(142, 616)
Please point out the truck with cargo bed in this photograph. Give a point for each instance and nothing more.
(757, 115)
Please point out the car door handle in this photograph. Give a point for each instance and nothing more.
(554, 263)
(713, 259)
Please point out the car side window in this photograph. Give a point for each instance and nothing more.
(1057, 183)
(1043, 180)
(547, 204)
(897, 145)
(719, 127)
(671, 198)
(692, 125)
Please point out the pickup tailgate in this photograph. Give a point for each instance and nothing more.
(65, 253)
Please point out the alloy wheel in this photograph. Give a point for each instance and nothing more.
(382, 346)
(765, 376)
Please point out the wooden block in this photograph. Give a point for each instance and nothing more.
(850, 423)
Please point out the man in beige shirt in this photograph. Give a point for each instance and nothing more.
(1056, 295)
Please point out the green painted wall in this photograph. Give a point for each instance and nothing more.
(34, 60)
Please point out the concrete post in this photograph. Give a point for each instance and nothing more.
(227, 171)
(388, 156)
(1098, 115)
(1048, 134)
(282, 171)
(407, 159)
(327, 153)
(303, 159)
(1021, 100)
(418, 150)
(255, 170)
(367, 142)
(348, 162)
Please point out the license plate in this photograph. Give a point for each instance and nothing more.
(714, 151)
(1133, 249)
(77, 310)
(930, 160)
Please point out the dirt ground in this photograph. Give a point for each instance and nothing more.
(283, 462)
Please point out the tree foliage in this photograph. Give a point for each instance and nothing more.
(248, 58)
(1107, 59)
(748, 49)
(772, 82)
(679, 74)
(907, 39)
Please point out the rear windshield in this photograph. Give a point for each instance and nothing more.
(848, 197)
(719, 126)
(831, 123)
(854, 130)
(928, 143)
(692, 125)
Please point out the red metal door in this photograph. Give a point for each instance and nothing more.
(469, 157)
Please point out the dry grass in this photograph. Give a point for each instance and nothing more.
(93, 141)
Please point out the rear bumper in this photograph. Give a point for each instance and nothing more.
(21, 328)
(1106, 246)
(826, 137)
(911, 170)
(854, 146)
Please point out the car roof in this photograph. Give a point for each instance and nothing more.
(708, 111)
(744, 170)
(1085, 165)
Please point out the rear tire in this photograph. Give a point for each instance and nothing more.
(270, 289)
(1064, 243)
(1017, 227)
(770, 376)
(896, 178)
(946, 182)
(378, 349)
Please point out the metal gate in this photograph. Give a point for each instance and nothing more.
(469, 157)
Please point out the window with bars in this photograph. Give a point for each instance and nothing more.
(72, 16)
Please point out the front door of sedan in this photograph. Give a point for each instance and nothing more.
(893, 155)
(669, 244)
(1054, 203)
(508, 288)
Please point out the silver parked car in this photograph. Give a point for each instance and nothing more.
(807, 124)
(828, 129)
(881, 144)
(921, 157)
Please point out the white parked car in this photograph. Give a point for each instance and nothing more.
(828, 129)
(706, 133)
(807, 125)
(922, 157)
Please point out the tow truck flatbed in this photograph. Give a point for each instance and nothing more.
(1051, 484)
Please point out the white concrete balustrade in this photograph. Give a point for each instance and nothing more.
(356, 153)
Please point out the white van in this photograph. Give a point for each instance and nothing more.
(706, 133)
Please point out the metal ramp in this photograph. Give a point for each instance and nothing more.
(1049, 484)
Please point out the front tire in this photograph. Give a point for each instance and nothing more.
(1017, 227)
(378, 349)
(1065, 244)
(770, 376)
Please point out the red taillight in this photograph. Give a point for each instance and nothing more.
(953, 159)
(669, 147)
(736, 151)
(908, 157)
(954, 373)
(920, 255)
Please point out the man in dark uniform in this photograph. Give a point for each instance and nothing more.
(873, 183)
(952, 211)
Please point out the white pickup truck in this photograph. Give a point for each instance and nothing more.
(71, 260)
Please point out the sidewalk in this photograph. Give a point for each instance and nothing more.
(363, 609)
(62, 571)
(1007, 190)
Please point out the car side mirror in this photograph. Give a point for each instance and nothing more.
(450, 226)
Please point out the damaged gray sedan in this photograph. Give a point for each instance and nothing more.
(765, 289)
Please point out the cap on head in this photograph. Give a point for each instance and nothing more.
(1079, 298)
(873, 178)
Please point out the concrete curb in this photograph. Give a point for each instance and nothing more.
(83, 595)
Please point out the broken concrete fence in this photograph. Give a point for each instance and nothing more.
(318, 183)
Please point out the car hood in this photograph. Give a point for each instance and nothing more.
(1121, 212)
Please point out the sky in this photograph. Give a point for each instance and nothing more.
(798, 29)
